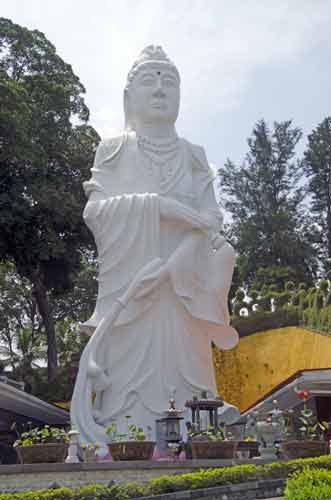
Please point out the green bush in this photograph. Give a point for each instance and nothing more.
(324, 286)
(281, 299)
(253, 294)
(289, 286)
(264, 302)
(240, 295)
(309, 484)
(295, 300)
(195, 480)
(238, 307)
(262, 320)
(318, 300)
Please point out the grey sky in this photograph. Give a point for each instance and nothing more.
(239, 61)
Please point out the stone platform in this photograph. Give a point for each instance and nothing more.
(38, 476)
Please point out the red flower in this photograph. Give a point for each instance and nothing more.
(303, 395)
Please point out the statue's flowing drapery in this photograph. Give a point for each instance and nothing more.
(160, 342)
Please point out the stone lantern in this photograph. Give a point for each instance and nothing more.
(73, 449)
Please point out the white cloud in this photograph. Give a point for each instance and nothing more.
(218, 46)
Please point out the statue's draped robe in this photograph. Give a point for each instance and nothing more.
(160, 342)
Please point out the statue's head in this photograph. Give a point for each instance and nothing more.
(152, 91)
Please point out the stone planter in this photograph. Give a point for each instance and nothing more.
(131, 450)
(268, 431)
(89, 456)
(213, 449)
(303, 449)
(42, 453)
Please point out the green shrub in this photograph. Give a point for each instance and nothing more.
(318, 300)
(324, 286)
(195, 480)
(281, 299)
(309, 484)
(264, 302)
(238, 307)
(253, 294)
(303, 300)
(289, 286)
(262, 320)
(240, 295)
(311, 296)
(296, 299)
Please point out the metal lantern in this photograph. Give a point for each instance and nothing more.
(168, 433)
(171, 423)
(209, 406)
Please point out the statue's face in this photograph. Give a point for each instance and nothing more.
(154, 95)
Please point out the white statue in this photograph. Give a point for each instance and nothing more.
(164, 269)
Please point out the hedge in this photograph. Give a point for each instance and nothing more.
(166, 484)
(260, 321)
(309, 484)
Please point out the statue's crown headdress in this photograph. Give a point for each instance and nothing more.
(150, 54)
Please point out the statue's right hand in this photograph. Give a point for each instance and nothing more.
(173, 209)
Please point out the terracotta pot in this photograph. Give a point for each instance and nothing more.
(213, 449)
(131, 450)
(303, 449)
(42, 453)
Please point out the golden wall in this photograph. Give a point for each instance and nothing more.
(265, 359)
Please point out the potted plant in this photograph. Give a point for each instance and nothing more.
(212, 444)
(42, 445)
(308, 441)
(130, 446)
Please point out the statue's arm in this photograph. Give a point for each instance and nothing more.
(173, 209)
(209, 205)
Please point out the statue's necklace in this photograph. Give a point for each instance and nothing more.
(163, 160)
(159, 152)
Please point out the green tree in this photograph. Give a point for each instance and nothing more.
(78, 303)
(270, 229)
(43, 161)
(22, 345)
(275, 277)
(317, 167)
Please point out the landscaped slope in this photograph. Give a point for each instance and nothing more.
(265, 359)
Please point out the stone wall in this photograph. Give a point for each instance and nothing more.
(253, 490)
(265, 359)
(39, 476)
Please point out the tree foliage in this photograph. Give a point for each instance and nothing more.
(264, 197)
(43, 161)
(22, 343)
(317, 167)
